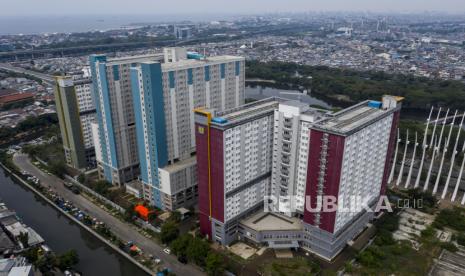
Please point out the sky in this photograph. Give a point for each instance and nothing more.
(108, 7)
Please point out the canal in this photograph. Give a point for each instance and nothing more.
(61, 234)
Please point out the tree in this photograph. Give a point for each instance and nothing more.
(384, 237)
(169, 232)
(214, 264)
(101, 187)
(31, 254)
(58, 169)
(197, 251)
(179, 246)
(449, 247)
(460, 239)
(45, 263)
(81, 178)
(67, 259)
(130, 213)
(175, 216)
(24, 239)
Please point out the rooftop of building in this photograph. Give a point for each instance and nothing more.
(180, 165)
(5, 242)
(7, 91)
(16, 97)
(352, 119)
(134, 59)
(192, 63)
(262, 221)
(245, 112)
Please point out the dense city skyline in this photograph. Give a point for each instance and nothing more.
(48, 7)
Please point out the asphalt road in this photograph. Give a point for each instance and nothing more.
(42, 76)
(123, 230)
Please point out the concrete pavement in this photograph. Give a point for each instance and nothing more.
(123, 230)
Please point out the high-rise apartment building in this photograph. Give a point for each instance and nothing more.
(164, 96)
(234, 155)
(76, 112)
(349, 159)
(315, 154)
(119, 160)
(292, 122)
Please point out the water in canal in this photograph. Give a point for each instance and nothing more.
(61, 234)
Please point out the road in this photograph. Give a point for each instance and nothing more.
(42, 76)
(123, 230)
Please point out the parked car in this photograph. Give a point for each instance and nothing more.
(167, 250)
(68, 185)
(182, 259)
(75, 190)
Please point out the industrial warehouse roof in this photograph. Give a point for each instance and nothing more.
(10, 98)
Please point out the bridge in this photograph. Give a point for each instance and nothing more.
(448, 119)
(44, 77)
(79, 50)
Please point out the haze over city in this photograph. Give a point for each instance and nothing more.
(88, 7)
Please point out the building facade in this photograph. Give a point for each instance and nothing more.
(234, 155)
(119, 160)
(315, 154)
(76, 112)
(164, 96)
(349, 159)
(292, 122)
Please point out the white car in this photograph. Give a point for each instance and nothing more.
(167, 250)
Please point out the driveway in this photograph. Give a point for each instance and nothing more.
(125, 231)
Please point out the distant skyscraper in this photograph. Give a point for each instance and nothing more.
(164, 96)
(119, 161)
(76, 111)
(182, 32)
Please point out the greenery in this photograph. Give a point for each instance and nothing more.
(179, 246)
(169, 232)
(67, 260)
(214, 264)
(348, 86)
(460, 238)
(47, 262)
(387, 256)
(449, 246)
(82, 178)
(24, 239)
(101, 186)
(452, 218)
(296, 266)
(29, 125)
(197, 251)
